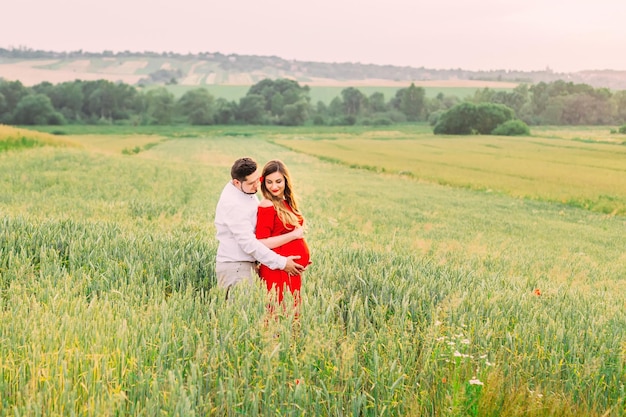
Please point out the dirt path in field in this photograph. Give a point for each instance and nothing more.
(192, 78)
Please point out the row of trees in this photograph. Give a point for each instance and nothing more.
(560, 103)
(286, 102)
(281, 102)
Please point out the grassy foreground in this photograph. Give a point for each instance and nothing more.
(423, 299)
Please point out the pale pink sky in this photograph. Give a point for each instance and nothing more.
(566, 36)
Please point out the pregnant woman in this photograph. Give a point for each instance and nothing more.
(278, 214)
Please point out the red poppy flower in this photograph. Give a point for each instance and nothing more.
(537, 291)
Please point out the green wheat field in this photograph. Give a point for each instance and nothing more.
(451, 276)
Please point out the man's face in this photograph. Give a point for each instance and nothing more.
(250, 185)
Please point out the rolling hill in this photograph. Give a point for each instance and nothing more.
(209, 69)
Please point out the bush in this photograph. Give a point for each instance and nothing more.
(490, 115)
(468, 118)
(56, 119)
(318, 120)
(343, 121)
(459, 120)
(379, 121)
(37, 109)
(622, 129)
(382, 121)
(393, 115)
(512, 128)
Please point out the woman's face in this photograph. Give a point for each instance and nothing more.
(275, 183)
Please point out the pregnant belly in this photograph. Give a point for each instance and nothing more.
(297, 247)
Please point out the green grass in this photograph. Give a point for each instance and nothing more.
(108, 303)
(18, 143)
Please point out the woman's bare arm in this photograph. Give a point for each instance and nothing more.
(276, 241)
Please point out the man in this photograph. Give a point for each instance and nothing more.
(235, 222)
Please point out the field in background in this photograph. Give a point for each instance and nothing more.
(200, 73)
(422, 299)
(584, 168)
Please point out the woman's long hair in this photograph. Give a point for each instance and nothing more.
(288, 218)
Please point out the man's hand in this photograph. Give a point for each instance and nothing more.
(292, 267)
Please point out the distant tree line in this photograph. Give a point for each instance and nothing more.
(269, 102)
(286, 102)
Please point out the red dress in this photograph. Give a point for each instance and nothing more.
(268, 225)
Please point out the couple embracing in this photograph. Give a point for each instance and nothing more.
(268, 233)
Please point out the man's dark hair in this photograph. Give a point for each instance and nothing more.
(242, 168)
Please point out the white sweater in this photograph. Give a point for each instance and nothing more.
(235, 222)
